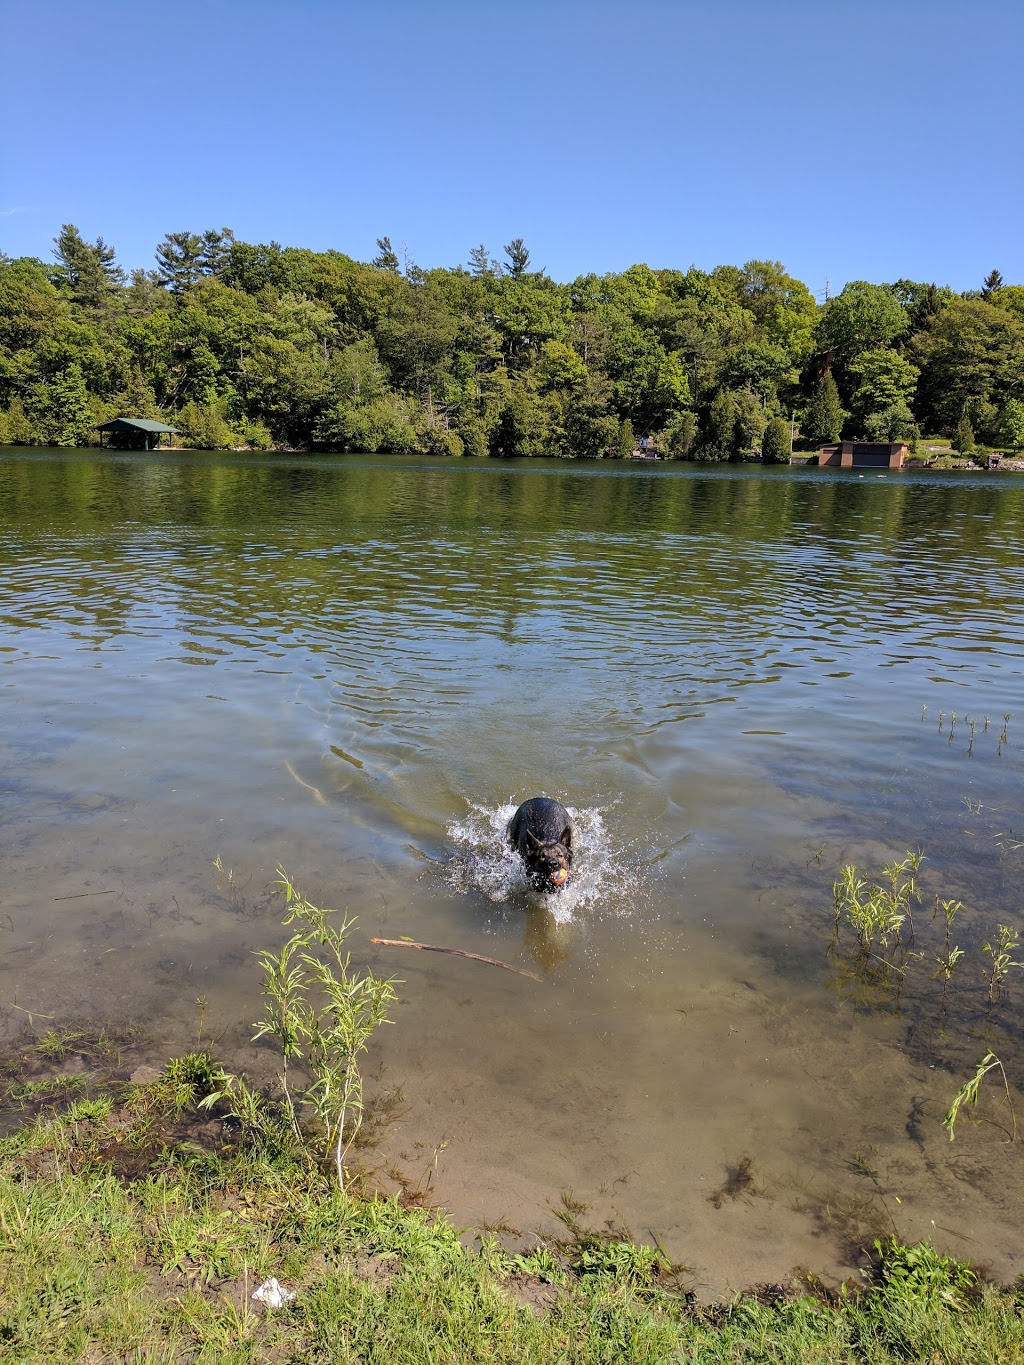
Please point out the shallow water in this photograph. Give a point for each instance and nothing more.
(736, 679)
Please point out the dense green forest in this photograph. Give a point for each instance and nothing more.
(264, 345)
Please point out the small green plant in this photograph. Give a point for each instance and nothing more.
(919, 1274)
(946, 960)
(877, 912)
(49, 1087)
(947, 963)
(187, 1081)
(89, 1110)
(55, 1044)
(967, 1095)
(541, 1263)
(322, 1015)
(623, 1261)
(1006, 941)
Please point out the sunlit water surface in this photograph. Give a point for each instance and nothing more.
(738, 680)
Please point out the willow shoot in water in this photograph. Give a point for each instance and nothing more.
(967, 1095)
(876, 912)
(1007, 940)
(323, 1015)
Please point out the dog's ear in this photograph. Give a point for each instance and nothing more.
(533, 838)
(566, 838)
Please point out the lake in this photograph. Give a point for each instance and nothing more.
(738, 679)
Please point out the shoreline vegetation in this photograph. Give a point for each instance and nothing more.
(264, 347)
(147, 1214)
(134, 1228)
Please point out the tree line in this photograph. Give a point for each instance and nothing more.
(267, 346)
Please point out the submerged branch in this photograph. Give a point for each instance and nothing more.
(455, 952)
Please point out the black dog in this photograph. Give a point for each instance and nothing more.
(543, 834)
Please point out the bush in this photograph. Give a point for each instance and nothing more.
(963, 437)
(205, 426)
(679, 436)
(775, 446)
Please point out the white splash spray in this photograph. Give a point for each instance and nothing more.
(483, 861)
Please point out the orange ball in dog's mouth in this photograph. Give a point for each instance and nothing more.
(559, 876)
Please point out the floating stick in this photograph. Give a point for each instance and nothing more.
(455, 952)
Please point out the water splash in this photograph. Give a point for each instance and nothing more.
(604, 875)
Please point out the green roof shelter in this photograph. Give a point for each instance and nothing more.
(133, 433)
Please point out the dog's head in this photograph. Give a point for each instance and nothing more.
(549, 863)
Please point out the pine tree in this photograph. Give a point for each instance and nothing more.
(216, 254)
(180, 259)
(518, 258)
(86, 269)
(823, 420)
(481, 263)
(386, 259)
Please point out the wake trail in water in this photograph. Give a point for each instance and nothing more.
(603, 875)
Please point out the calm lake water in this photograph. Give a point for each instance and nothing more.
(738, 679)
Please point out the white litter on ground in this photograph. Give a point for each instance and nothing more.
(273, 1293)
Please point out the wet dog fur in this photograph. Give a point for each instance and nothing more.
(542, 832)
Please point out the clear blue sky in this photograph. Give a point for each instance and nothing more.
(850, 139)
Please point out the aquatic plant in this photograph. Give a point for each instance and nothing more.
(947, 960)
(877, 912)
(322, 1015)
(967, 1095)
(946, 964)
(1003, 734)
(1006, 941)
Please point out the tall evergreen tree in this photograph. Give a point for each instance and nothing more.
(481, 263)
(216, 253)
(518, 258)
(180, 259)
(823, 420)
(86, 269)
(993, 282)
(386, 259)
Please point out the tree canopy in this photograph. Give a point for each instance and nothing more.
(258, 344)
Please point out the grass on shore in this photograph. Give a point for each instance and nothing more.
(134, 1227)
